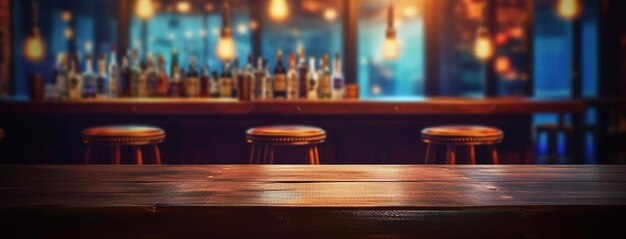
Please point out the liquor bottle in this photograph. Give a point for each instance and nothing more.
(192, 88)
(235, 73)
(174, 62)
(60, 76)
(325, 80)
(75, 83)
(338, 79)
(125, 77)
(293, 86)
(267, 82)
(89, 79)
(175, 89)
(303, 74)
(151, 77)
(312, 84)
(163, 81)
(205, 82)
(102, 80)
(215, 85)
(244, 81)
(114, 75)
(258, 88)
(137, 77)
(226, 81)
(280, 78)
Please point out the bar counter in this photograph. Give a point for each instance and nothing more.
(414, 106)
(227, 201)
(364, 131)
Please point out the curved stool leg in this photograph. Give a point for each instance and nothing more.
(494, 155)
(311, 155)
(428, 149)
(252, 154)
(472, 154)
(266, 154)
(317, 155)
(117, 155)
(271, 149)
(451, 155)
(138, 155)
(157, 154)
(88, 154)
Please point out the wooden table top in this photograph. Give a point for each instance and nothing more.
(310, 186)
(227, 201)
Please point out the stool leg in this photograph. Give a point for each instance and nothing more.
(451, 155)
(316, 150)
(266, 154)
(311, 156)
(472, 154)
(138, 155)
(260, 149)
(271, 149)
(427, 158)
(494, 155)
(252, 153)
(117, 155)
(157, 154)
(88, 154)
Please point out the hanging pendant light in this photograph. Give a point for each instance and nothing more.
(483, 45)
(278, 10)
(391, 47)
(568, 9)
(226, 49)
(34, 46)
(144, 9)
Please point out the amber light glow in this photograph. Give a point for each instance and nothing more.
(483, 46)
(391, 47)
(183, 7)
(34, 47)
(226, 49)
(278, 10)
(144, 9)
(568, 9)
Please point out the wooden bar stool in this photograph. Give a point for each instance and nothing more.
(467, 136)
(134, 136)
(264, 139)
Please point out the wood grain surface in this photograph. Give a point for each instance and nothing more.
(291, 201)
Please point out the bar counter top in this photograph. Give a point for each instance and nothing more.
(290, 201)
(416, 106)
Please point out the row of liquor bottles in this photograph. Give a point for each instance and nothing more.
(135, 78)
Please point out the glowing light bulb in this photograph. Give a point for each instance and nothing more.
(226, 48)
(69, 33)
(568, 9)
(279, 10)
(34, 47)
(144, 9)
(66, 15)
(483, 47)
(391, 48)
(183, 6)
(330, 14)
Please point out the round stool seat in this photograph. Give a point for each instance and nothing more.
(123, 135)
(462, 135)
(286, 135)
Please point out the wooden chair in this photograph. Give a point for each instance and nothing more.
(464, 136)
(265, 139)
(115, 137)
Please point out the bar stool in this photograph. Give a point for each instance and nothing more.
(454, 136)
(264, 139)
(134, 136)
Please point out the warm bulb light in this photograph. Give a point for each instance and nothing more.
(34, 48)
(330, 14)
(144, 9)
(66, 15)
(183, 7)
(391, 48)
(226, 49)
(483, 47)
(69, 33)
(279, 10)
(568, 9)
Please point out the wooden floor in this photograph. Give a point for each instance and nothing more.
(314, 201)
